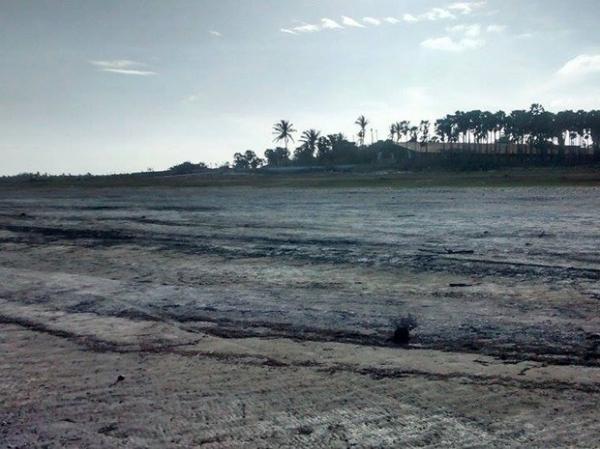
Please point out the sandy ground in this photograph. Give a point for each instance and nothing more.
(186, 318)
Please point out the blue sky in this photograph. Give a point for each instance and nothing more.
(120, 85)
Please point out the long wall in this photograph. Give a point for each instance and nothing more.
(495, 148)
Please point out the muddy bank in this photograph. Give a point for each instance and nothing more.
(506, 272)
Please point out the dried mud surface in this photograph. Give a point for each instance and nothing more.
(163, 317)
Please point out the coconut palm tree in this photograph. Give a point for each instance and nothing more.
(283, 130)
(362, 122)
(310, 138)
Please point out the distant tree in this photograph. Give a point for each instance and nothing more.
(424, 130)
(499, 124)
(310, 138)
(305, 154)
(188, 168)
(443, 128)
(535, 126)
(414, 134)
(253, 160)
(393, 132)
(399, 131)
(593, 123)
(486, 125)
(563, 123)
(404, 129)
(283, 130)
(323, 150)
(362, 123)
(240, 162)
(247, 160)
(518, 125)
(278, 157)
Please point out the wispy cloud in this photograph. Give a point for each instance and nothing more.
(123, 67)
(215, 33)
(448, 13)
(431, 15)
(447, 43)
(350, 22)
(306, 28)
(438, 14)
(372, 21)
(327, 23)
(466, 7)
(330, 24)
(579, 67)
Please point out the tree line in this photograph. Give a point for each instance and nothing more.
(535, 127)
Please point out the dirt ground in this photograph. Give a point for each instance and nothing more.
(259, 318)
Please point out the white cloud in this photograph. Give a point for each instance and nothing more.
(372, 21)
(466, 7)
(446, 43)
(467, 30)
(496, 28)
(437, 14)
(123, 67)
(572, 86)
(288, 31)
(117, 64)
(350, 22)
(329, 24)
(130, 72)
(432, 15)
(215, 33)
(306, 28)
(580, 66)
(392, 20)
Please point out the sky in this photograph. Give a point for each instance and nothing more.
(109, 86)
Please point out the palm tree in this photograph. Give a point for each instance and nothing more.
(402, 129)
(283, 130)
(424, 130)
(461, 121)
(414, 134)
(443, 128)
(499, 124)
(593, 119)
(310, 138)
(362, 122)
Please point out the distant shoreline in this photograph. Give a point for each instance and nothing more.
(539, 176)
